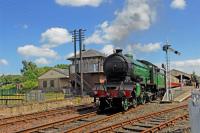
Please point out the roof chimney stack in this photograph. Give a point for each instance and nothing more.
(83, 47)
(118, 51)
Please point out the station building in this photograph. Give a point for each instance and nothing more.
(177, 74)
(54, 80)
(92, 68)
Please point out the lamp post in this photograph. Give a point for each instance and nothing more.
(167, 49)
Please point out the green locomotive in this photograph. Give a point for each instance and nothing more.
(129, 82)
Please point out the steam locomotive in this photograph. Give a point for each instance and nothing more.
(128, 82)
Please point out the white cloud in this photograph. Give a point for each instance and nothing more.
(107, 49)
(78, 3)
(136, 15)
(145, 48)
(178, 4)
(187, 63)
(25, 26)
(54, 37)
(33, 51)
(70, 55)
(42, 61)
(188, 66)
(51, 38)
(3, 62)
(97, 36)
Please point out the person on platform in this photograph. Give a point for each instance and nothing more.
(197, 83)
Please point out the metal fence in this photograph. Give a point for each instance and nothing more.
(4, 92)
(12, 97)
(35, 96)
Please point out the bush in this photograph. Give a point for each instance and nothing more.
(29, 84)
(8, 86)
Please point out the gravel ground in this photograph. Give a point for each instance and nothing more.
(139, 126)
(52, 117)
(148, 108)
(179, 127)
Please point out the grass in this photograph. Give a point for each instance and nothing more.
(53, 96)
(8, 86)
(12, 99)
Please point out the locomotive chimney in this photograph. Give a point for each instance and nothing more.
(118, 51)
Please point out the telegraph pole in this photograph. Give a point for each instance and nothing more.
(78, 35)
(74, 39)
(81, 38)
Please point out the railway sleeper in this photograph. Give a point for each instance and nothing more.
(144, 125)
(134, 128)
(148, 124)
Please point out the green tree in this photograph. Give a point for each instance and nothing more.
(194, 76)
(62, 66)
(29, 70)
(42, 70)
(30, 74)
(29, 84)
(8, 79)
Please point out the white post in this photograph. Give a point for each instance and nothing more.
(181, 81)
(167, 76)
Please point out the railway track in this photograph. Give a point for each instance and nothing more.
(16, 121)
(85, 127)
(94, 122)
(144, 123)
(177, 125)
(165, 124)
(59, 124)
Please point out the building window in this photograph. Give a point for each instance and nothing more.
(52, 83)
(44, 84)
(95, 67)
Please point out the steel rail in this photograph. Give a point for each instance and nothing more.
(131, 121)
(81, 127)
(28, 117)
(33, 117)
(53, 124)
(166, 124)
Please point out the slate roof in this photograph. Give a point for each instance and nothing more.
(63, 73)
(176, 73)
(181, 72)
(88, 54)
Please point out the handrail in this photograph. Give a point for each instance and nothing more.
(84, 81)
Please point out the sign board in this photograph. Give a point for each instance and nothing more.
(194, 111)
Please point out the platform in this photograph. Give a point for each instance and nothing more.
(181, 94)
(178, 94)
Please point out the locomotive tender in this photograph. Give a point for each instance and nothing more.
(128, 82)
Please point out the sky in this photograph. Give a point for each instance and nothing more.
(40, 30)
